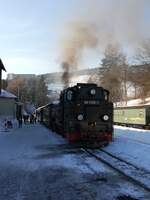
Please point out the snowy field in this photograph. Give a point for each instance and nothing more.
(37, 164)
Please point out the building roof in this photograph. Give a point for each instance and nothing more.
(2, 66)
(6, 94)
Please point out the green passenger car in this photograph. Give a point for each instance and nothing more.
(136, 115)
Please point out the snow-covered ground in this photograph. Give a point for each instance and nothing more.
(133, 102)
(132, 145)
(37, 164)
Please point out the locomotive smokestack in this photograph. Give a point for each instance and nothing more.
(66, 74)
(1, 68)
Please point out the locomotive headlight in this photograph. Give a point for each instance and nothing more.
(105, 117)
(92, 91)
(80, 117)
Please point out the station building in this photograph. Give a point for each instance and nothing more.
(7, 104)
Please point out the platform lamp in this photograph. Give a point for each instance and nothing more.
(1, 68)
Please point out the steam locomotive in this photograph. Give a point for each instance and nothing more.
(83, 115)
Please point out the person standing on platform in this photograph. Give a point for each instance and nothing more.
(20, 122)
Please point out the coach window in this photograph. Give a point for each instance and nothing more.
(141, 114)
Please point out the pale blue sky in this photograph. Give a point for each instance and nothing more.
(31, 31)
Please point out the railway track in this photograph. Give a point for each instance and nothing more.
(133, 173)
(125, 161)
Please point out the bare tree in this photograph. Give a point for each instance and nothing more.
(143, 76)
(18, 87)
(143, 53)
(4, 84)
(114, 77)
(41, 92)
(31, 86)
(32, 90)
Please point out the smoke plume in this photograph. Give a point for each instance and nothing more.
(81, 36)
(101, 23)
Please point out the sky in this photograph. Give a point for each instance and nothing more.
(31, 32)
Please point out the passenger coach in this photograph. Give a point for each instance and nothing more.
(135, 116)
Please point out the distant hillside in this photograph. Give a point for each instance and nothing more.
(56, 77)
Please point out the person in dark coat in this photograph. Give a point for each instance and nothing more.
(25, 118)
(20, 122)
(31, 119)
(9, 124)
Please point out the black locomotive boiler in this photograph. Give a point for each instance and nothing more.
(84, 115)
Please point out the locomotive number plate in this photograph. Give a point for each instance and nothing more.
(91, 102)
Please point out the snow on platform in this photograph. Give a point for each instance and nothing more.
(37, 164)
(132, 145)
(34, 145)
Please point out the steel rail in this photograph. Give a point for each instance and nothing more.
(132, 173)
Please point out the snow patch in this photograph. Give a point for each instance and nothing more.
(133, 102)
